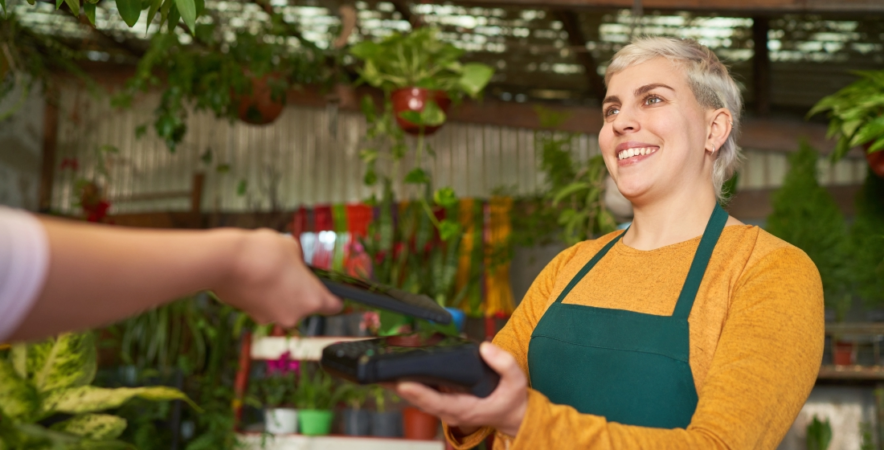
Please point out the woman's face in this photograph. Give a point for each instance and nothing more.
(654, 133)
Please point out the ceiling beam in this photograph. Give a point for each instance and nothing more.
(734, 6)
(577, 41)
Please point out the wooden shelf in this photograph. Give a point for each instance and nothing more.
(301, 442)
(300, 348)
(871, 373)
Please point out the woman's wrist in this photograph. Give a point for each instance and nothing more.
(514, 420)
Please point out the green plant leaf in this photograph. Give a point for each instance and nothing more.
(242, 187)
(18, 399)
(187, 9)
(449, 229)
(92, 426)
(568, 190)
(172, 18)
(151, 13)
(417, 176)
(129, 10)
(58, 3)
(18, 356)
(3, 4)
(89, 9)
(432, 115)
(445, 197)
(66, 361)
(74, 5)
(222, 168)
(474, 78)
(412, 116)
(368, 155)
(88, 399)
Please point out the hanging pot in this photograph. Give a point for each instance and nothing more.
(419, 425)
(357, 422)
(415, 99)
(315, 422)
(259, 107)
(844, 353)
(876, 160)
(281, 420)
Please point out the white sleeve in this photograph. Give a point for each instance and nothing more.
(24, 262)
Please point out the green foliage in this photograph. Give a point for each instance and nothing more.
(273, 390)
(130, 10)
(867, 241)
(856, 113)
(210, 74)
(318, 390)
(819, 434)
(354, 395)
(806, 216)
(420, 59)
(41, 379)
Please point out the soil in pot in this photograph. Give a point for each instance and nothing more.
(386, 424)
(260, 108)
(357, 422)
(419, 425)
(281, 420)
(415, 99)
(315, 422)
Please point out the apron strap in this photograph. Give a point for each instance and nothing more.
(586, 268)
(701, 260)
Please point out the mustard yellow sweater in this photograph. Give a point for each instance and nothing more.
(756, 341)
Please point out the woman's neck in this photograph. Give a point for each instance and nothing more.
(677, 218)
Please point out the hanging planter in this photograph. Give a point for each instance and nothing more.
(262, 107)
(875, 159)
(422, 106)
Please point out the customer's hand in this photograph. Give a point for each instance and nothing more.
(504, 409)
(269, 280)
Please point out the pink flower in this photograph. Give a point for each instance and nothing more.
(371, 321)
(283, 365)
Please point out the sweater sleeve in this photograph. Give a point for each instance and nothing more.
(763, 370)
(516, 334)
(24, 263)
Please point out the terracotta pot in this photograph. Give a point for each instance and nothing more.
(260, 108)
(844, 353)
(414, 340)
(415, 99)
(419, 425)
(876, 160)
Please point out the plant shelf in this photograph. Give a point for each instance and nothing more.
(300, 348)
(302, 442)
(871, 373)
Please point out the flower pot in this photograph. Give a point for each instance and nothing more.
(315, 422)
(281, 420)
(357, 422)
(386, 424)
(415, 99)
(336, 326)
(876, 161)
(260, 108)
(419, 425)
(844, 353)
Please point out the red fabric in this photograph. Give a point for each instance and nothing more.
(322, 219)
(357, 263)
(358, 218)
(299, 222)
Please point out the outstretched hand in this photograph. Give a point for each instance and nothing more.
(503, 410)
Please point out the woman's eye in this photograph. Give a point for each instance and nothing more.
(611, 111)
(653, 99)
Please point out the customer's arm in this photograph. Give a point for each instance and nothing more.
(100, 274)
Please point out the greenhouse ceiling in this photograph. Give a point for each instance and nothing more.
(540, 53)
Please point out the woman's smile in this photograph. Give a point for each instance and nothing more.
(629, 153)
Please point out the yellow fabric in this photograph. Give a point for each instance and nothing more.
(499, 293)
(467, 221)
(756, 332)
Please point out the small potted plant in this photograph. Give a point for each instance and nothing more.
(274, 392)
(856, 118)
(357, 421)
(420, 76)
(316, 396)
(384, 423)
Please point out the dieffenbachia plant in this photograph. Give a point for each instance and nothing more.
(52, 377)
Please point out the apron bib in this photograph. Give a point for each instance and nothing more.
(629, 367)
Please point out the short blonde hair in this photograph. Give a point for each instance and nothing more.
(710, 81)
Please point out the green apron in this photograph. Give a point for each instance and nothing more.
(629, 367)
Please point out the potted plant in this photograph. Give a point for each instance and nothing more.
(420, 76)
(316, 395)
(357, 421)
(247, 78)
(856, 118)
(53, 378)
(275, 393)
(384, 423)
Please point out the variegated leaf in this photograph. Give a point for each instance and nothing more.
(87, 399)
(18, 399)
(19, 357)
(64, 362)
(93, 426)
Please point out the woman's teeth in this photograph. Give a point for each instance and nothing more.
(629, 153)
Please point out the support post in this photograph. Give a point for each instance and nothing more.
(761, 65)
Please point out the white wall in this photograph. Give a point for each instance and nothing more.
(21, 143)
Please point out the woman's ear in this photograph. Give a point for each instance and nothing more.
(721, 122)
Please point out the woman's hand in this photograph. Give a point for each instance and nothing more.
(504, 409)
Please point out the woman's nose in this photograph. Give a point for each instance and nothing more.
(625, 122)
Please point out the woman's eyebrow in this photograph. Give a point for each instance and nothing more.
(649, 87)
(611, 99)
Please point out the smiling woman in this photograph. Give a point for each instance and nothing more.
(690, 329)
